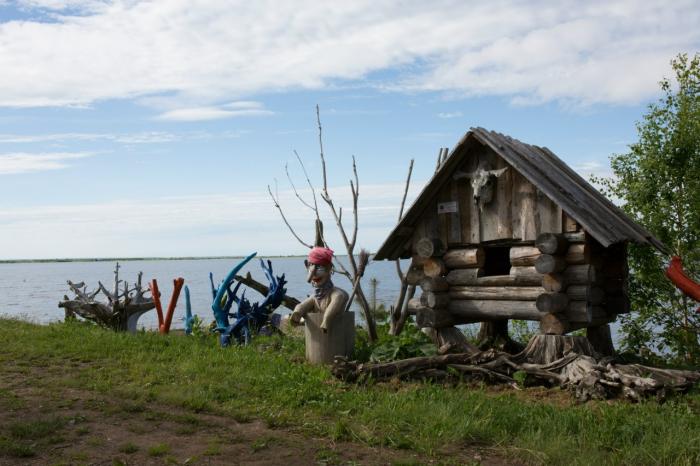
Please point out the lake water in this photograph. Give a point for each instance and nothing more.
(32, 291)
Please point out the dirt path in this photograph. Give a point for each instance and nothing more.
(54, 425)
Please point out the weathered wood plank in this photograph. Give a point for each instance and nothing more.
(523, 256)
(467, 311)
(524, 208)
(454, 235)
(549, 215)
(569, 224)
(506, 293)
(464, 276)
(526, 276)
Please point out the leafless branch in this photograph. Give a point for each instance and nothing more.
(275, 200)
(320, 145)
(355, 195)
(311, 186)
(403, 203)
(405, 190)
(294, 188)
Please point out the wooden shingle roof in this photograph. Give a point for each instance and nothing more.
(607, 223)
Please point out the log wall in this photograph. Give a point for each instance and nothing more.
(556, 270)
(566, 281)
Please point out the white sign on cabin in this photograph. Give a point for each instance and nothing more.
(447, 207)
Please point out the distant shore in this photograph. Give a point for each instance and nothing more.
(128, 259)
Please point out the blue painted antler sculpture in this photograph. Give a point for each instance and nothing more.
(248, 319)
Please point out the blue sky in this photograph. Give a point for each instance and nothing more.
(134, 128)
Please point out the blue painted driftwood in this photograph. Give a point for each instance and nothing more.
(189, 318)
(249, 318)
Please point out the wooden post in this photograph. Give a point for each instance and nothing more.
(322, 347)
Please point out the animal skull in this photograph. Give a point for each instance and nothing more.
(483, 182)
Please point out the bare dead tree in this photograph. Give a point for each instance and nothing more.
(399, 312)
(353, 270)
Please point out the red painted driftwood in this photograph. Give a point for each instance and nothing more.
(164, 322)
(675, 273)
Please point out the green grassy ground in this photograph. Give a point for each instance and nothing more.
(271, 382)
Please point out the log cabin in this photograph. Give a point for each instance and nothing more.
(506, 230)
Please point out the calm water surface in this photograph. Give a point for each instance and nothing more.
(32, 291)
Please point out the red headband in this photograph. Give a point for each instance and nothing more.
(321, 256)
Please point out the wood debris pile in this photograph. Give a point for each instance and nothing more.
(551, 360)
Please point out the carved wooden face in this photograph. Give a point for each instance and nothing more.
(317, 275)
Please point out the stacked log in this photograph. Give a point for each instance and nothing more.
(478, 298)
(428, 270)
(574, 296)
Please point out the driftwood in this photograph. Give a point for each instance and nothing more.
(550, 360)
(288, 301)
(120, 311)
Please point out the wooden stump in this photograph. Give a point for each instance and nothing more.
(322, 347)
(545, 349)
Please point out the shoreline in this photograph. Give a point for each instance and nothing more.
(131, 259)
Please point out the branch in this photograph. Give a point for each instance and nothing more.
(294, 188)
(405, 191)
(311, 186)
(320, 144)
(284, 218)
(355, 195)
(399, 272)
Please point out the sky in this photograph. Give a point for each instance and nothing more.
(154, 128)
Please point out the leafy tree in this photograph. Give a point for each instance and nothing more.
(658, 181)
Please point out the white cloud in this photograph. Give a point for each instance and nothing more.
(199, 54)
(144, 137)
(447, 115)
(231, 110)
(22, 162)
(232, 223)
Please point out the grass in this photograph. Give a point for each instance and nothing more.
(161, 449)
(268, 382)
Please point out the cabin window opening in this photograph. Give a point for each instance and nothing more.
(497, 261)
